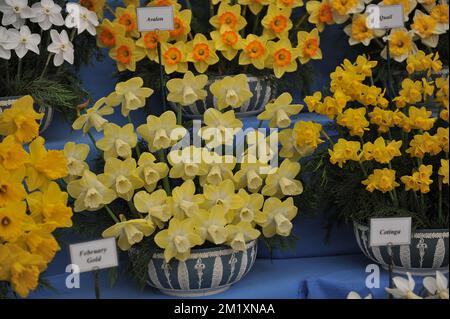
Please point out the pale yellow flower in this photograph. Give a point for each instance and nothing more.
(117, 141)
(231, 91)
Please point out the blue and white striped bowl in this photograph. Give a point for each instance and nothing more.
(206, 272)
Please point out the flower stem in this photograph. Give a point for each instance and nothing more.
(93, 141)
(327, 137)
(211, 7)
(440, 217)
(138, 149)
(19, 70)
(256, 23)
(111, 213)
(108, 8)
(300, 22)
(166, 182)
(46, 65)
(179, 115)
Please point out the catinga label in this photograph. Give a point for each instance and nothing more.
(390, 231)
(94, 255)
(385, 17)
(155, 18)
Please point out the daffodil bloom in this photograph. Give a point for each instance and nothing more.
(50, 206)
(282, 57)
(382, 180)
(262, 146)
(187, 90)
(167, 3)
(342, 9)
(289, 3)
(178, 239)
(222, 194)
(90, 193)
(279, 112)
(184, 202)
(219, 128)
(282, 181)
(358, 31)
(320, 13)
(420, 180)
(13, 220)
(130, 94)
(44, 165)
(228, 18)
(20, 120)
(276, 217)
(420, 118)
(11, 187)
(240, 234)
(309, 46)
(76, 155)
(220, 168)
(127, 18)
(423, 144)
(277, 22)
(251, 174)
(444, 171)
(12, 154)
(442, 135)
(182, 25)
(440, 13)
(437, 287)
(383, 118)
(252, 207)
(122, 177)
(188, 163)
(401, 44)
(94, 5)
(129, 232)
(150, 172)
(117, 141)
(355, 120)
(107, 33)
(231, 91)
(427, 4)
(174, 57)
(408, 6)
(211, 223)
(94, 117)
(289, 148)
(254, 51)
(126, 54)
(381, 151)
(411, 91)
(149, 42)
(39, 241)
(201, 52)
(228, 43)
(161, 132)
(404, 288)
(255, 6)
(155, 205)
(427, 28)
(344, 151)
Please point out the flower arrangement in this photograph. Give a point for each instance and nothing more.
(38, 42)
(32, 205)
(391, 158)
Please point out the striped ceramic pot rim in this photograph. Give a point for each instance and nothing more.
(6, 102)
(427, 253)
(206, 271)
(260, 86)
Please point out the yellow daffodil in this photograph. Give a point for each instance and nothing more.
(182, 25)
(332, 105)
(228, 43)
(94, 5)
(384, 119)
(228, 18)
(239, 235)
(162, 3)
(254, 51)
(126, 54)
(220, 168)
(279, 112)
(401, 44)
(94, 117)
(282, 182)
(188, 163)
(251, 173)
(12, 154)
(344, 151)
(277, 22)
(149, 42)
(20, 120)
(174, 57)
(381, 151)
(442, 136)
(127, 18)
(252, 207)
(90, 193)
(122, 177)
(427, 28)
(130, 94)
(289, 3)
(11, 187)
(422, 62)
(355, 120)
(440, 14)
(219, 128)
(408, 6)
(422, 144)
(222, 194)
(320, 13)
(76, 155)
(161, 132)
(184, 202)
(420, 180)
(301, 141)
(411, 92)
(178, 239)
(382, 180)
(255, 6)
(358, 31)
(155, 205)
(308, 46)
(12, 219)
(211, 223)
(342, 9)
(117, 141)
(150, 172)
(42, 243)
(442, 94)
(129, 232)
(107, 33)
(420, 118)
(444, 171)
(276, 217)
(282, 57)
(187, 90)
(201, 52)
(44, 165)
(231, 91)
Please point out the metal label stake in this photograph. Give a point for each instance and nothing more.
(161, 74)
(391, 268)
(96, 274)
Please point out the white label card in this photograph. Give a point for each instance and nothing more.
(390, 231)
(155, 19)
(385, 17)
(94, 255)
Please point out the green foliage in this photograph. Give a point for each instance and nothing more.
(280, 243)
(139, 258)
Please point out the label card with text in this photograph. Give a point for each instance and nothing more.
(155, 19)
(94, 255)
(390, 231)
(385, 17)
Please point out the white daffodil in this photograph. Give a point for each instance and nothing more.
(81, 18)
(46, 14)
(355, 295)
(15, 12)
(24, 41)
(437, 287)
(5, 44)
(404, 288)
(61, 47)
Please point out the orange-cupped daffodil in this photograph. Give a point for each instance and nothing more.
(320, 13)
(282, 57)
(228, 43)
(228, 18)
(254, 51)
(149, 42)
(342, 9)
(174, 57)
(277, 22)
(107, 33)
(358, 32)
(182, 25)
(126, 54)
(309, 45)
(201, 52)
(127, 18)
